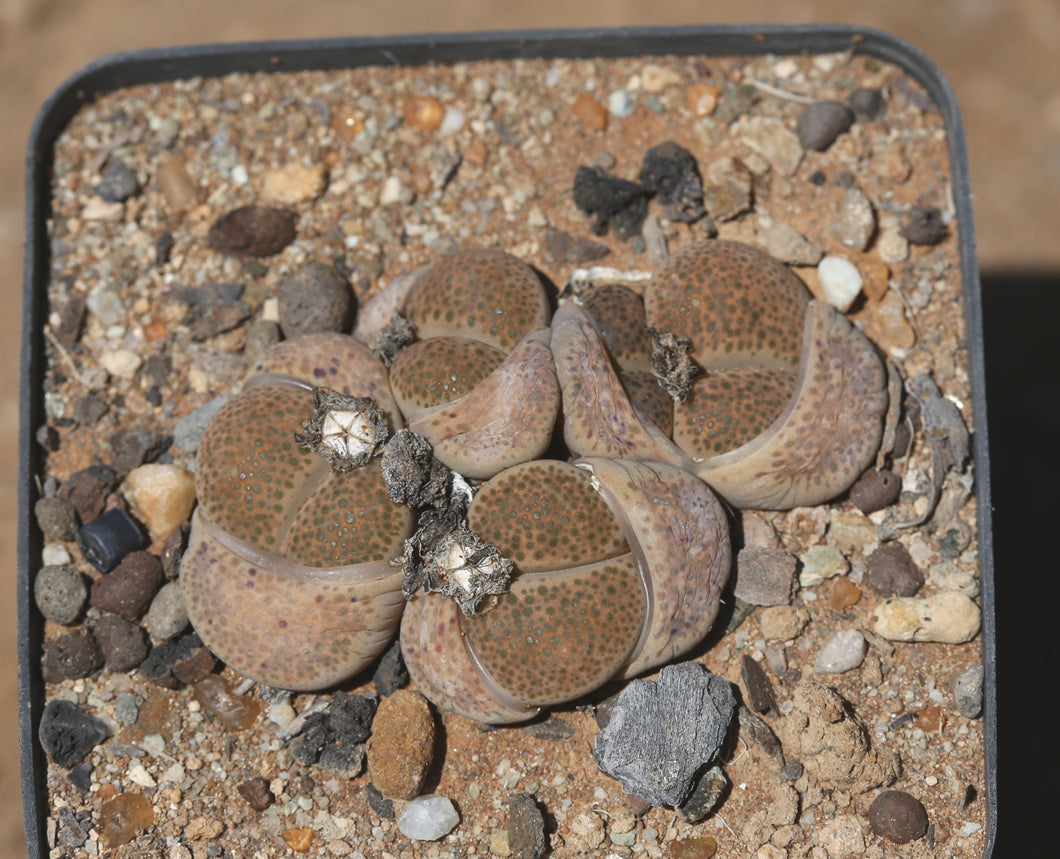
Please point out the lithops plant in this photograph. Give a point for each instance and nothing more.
(288, 574)
(619, 568)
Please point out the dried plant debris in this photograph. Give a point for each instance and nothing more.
(393, 338)
(412, 474)
(346, 431)
(445, 556)
(671, 363)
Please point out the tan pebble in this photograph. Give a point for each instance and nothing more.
(347, 125)
(298, 839)
(589, 112)
(891, 163)
(842, 836)
(161, 495)
(895, 328)
(780, 623)
(948, 617)
(654, 78)
(476, 154)
(180, 191)
(401, 747)
(424, 112)
(701, 98)
(499, 842)
(876, 274)
(892, 246)
(294, 183)
(851, 529)
(97, 209)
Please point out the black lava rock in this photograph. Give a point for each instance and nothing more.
(60, 593)
(892, 572)
(315, 298)
(129, 589)
(607, 199)
(71, 656)
(898, 817)
(661, 733)
(108, 538)
(257, 231)
(350, 716)
(124, 644)
(866, 103)
(924, 226)
(526, 827)
(390, 674)
(378, 803)
(57, 518)
(821, 123)
(69, 734)
(875, 489)
(670, 172)
(166, 658)
(117, 182)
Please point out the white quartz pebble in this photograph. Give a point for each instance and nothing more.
(840, 281)
(844, 650)
(428, 818)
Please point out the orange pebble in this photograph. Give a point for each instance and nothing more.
(346, 125)
(589, 112)
(156, 329)
(424, 112)
(106, 791)
(700, 847)
(235, 712)
(930, 719)
(844, 594)
(876, 276)
(701, 99)
(298, 839)
(121, 818)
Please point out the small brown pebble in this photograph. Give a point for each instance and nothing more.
(88, 491)
(347, 125)
(123, 643)
(173, 551)
(898, 817)
(876, 489)
(702, 98)
(56, 517)
(589, 112)
(526, 828)
(892, 572)
(876, 276)
(638, 805)
(760, 696)
(930, 719)
(71, 656)
(298, 839)
(401, 748)
(127, 591)
(844, 594)
(476, 154)
(257, 793)
(179, 190)
(257, 231)
(235, 712)
(697, 847)
(122, 818)
(424, 112)
(924, 226)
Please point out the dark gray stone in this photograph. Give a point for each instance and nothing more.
(123, 643)
(71, 656)
(69, 734)
(705, 795)
(662, 732)
(187, 433)
(117, 183)
(526, 828)
(56, 517)
(821, 123)
(315, 298)
(866, 103)
(765, 576)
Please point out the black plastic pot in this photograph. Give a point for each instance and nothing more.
(141, 67)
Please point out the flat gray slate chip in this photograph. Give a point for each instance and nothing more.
(661, 733)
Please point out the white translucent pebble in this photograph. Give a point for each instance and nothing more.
(840, 281)
(844, 650)
(453, 121)
(428, 818)
(55, 555)
(620, 103)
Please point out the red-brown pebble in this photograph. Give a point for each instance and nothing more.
(698, 847)
(257, 231)
(930, 719)
(401, 748)
(235, 712)
(589, 112)
(898, 817)
(257, 793)
(844, 594)
(424, 112)
(128, 590)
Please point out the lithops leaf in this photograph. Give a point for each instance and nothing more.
(545, 515)
(738, 305)
(679, 531)
(251, 475)
(598, 418)
(441, 667)
(284, 624)
(439, 370)
(486, 294)
(505, 420)
(557, 636)
(618, 313)
(335, 361)
(649, 399)
(827, 435)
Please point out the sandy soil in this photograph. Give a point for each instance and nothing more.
(996, 54)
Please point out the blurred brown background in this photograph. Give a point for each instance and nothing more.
(1000, 56)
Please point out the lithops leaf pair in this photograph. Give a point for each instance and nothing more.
(288, 574)
(620, 566)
